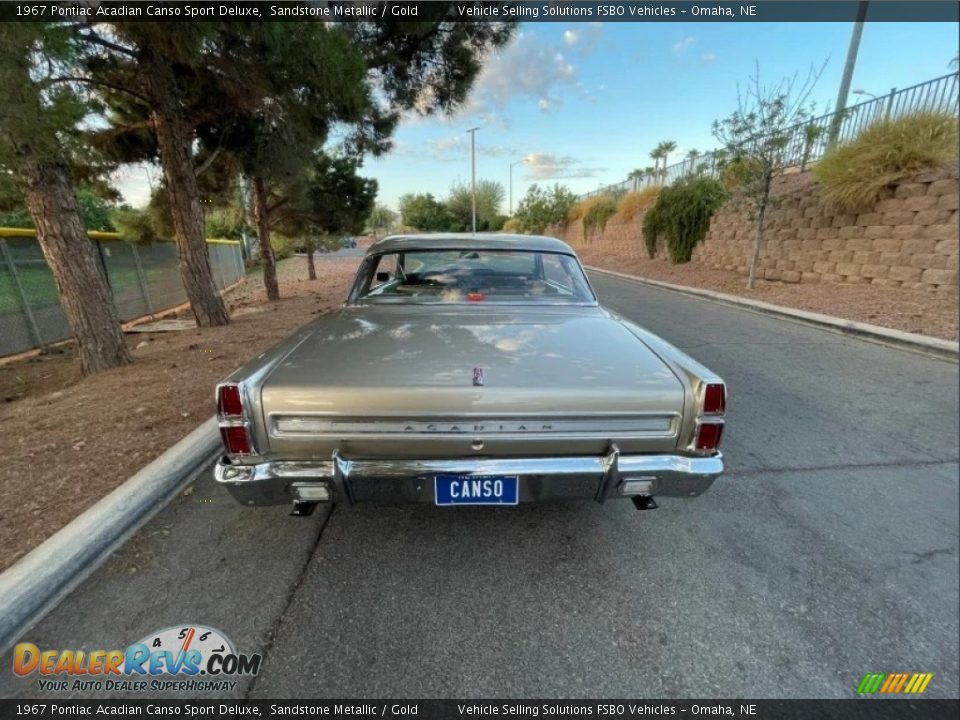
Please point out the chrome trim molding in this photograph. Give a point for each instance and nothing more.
(671, 475)
(287, 425)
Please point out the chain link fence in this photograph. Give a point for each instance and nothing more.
(808, 142)
(143, 279)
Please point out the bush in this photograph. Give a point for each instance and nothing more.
(542, 207)
(596, 216)
(856, 175)
(283, 246)
(741, 171)
(593, 211)
(682, 213)
(578, 209)
(496, 223)
(634, 203)
(513, 225)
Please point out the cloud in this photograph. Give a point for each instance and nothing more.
(709, 57)
(681, 46)
(455, 148)
(529, 68)
(547, 166)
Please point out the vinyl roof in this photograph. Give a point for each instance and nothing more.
(470, 241)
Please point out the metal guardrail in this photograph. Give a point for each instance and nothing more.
(808, 142)
(143, 279)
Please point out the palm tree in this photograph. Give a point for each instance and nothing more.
(657, 154)
(692, 157)
(668, 147)
(636, 176)
(651, 173)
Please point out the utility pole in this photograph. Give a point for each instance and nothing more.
(518, 162)
(852, 51)
(473, 174)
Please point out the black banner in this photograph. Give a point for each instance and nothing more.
(470, 11)
(876, 709)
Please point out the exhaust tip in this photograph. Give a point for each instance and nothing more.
(302, 509)
(644, 502)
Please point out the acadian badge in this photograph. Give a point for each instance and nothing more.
(171, 659)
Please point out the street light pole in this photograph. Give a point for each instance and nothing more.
(852, 51)
(512, 165)
(473, 174)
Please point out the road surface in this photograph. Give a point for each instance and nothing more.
(827, 551)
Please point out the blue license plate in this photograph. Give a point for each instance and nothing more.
(475, 489)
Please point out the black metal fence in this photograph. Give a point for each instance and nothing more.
(807, 142)
(144, 279)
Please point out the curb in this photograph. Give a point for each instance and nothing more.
(36, 584)
(913, 341)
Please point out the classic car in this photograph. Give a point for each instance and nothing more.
(469, 369)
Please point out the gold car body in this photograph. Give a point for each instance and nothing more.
(374, 401)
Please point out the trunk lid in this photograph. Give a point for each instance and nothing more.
(392, 370)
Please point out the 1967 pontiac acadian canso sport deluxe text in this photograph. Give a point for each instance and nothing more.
(470, 369)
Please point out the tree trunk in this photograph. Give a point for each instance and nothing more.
(758, 238)
(311, 265)
(84, 293)
(260, 216)
(174, 140)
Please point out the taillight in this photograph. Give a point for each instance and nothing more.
(714, 399)
(708, 437)
(234, 428)
(229, 401)
(236, 439)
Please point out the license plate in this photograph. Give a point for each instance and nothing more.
(475, 489)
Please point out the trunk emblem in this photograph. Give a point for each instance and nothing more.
(478, 376)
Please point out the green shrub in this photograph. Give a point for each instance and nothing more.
(740, 171)
(283, 246)
(596, 216)
(856, 175)
(496, 223)
(682, 214)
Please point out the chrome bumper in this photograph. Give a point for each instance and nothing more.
(398, 481)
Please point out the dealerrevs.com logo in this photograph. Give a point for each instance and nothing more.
(185, 658)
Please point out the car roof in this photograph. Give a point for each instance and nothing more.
(470, 241)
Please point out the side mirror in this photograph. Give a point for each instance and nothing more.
(383, 277)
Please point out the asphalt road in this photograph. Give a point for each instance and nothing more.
(827, 551)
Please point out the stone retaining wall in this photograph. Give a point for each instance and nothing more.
(909, 239)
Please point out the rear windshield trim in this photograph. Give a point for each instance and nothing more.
(355, 298)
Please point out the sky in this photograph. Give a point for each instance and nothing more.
(583, 104)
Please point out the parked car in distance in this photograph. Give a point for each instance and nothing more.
(470, 369)
(348, 242)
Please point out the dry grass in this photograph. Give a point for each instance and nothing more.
(583, 208)
(634, 203)
(856, 175)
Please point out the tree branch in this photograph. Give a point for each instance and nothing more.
(208, 162)
(92, 37)
(99, 83)
(278, 204)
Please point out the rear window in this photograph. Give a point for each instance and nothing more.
(476, 276)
